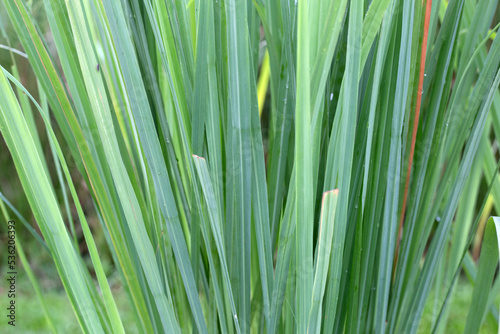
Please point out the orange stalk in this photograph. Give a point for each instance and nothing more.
(415, 123)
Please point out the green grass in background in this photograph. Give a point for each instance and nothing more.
(31, 320)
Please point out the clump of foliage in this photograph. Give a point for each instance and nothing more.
(341, 218)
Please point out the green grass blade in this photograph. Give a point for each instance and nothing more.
(488, 262)
(240, 106)
(391, 209)
(286, 242)
(327, 227)
(261, 213)
(304, 173)
(343, 141)
(281, 116)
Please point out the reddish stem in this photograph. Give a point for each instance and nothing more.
(415, 123)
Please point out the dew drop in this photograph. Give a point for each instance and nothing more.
(331, 96)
